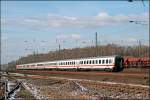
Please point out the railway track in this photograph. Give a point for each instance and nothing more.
(10, 87)
(122, 77)
(138, 74)
(66, 88)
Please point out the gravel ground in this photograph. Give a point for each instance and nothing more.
(1, 90)
(68, 89)
(23, 94)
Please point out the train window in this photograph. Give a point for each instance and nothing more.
(39, 64)
(96, 61)
(107, 61)
(87, 62)
(52, 63)
(80, 62)
(99, 61)
(103, 61)
(93, 61)
(90, 62)
(84, 62)
(74, 62)
(110, 61)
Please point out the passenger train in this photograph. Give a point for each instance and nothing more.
(109, 63)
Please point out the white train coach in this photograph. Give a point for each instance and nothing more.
(111, 63)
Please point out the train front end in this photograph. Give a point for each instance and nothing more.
(119, 66)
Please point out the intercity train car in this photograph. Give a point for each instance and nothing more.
(110, 63)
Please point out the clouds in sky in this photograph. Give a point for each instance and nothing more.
(57, 21)
(64, 37)
(4, 37)
(74, 31)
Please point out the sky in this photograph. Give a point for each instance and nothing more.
(40, 26)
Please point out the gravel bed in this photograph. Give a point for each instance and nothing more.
(70, 89)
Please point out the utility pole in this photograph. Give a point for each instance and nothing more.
(76, 43)
(96, 53)
(59, 52)
(96, 39)
(139, 48)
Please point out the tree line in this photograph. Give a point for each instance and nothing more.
(103, 50)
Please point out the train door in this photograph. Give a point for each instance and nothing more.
(118, 63)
